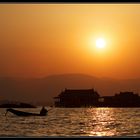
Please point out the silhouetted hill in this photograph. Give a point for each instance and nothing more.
(44, 89)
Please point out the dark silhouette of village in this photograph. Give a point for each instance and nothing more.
(91, 98)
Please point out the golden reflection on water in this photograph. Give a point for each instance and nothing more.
(74, 122)
(105, 122)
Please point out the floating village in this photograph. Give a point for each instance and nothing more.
(91, 98)
(86, 98)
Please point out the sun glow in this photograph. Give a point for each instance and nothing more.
(100, 43)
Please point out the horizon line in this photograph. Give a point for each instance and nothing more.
(63, 74)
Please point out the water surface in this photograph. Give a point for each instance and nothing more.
(72, 122)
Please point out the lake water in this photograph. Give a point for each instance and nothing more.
(72, 122)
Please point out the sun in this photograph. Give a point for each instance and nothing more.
(100, 43)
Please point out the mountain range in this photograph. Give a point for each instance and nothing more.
(42, 90)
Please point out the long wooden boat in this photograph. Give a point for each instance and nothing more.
(22, 113)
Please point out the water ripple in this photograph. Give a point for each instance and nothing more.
(73, 122)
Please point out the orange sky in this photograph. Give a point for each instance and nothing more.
(37, 40)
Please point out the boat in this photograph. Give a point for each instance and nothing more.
(22, 113)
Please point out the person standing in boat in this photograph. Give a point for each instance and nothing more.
(43, 111)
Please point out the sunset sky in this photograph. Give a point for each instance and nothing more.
(38, 40)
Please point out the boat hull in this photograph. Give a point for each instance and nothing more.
(22, 113)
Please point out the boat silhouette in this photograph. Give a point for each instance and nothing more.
(23, 113)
